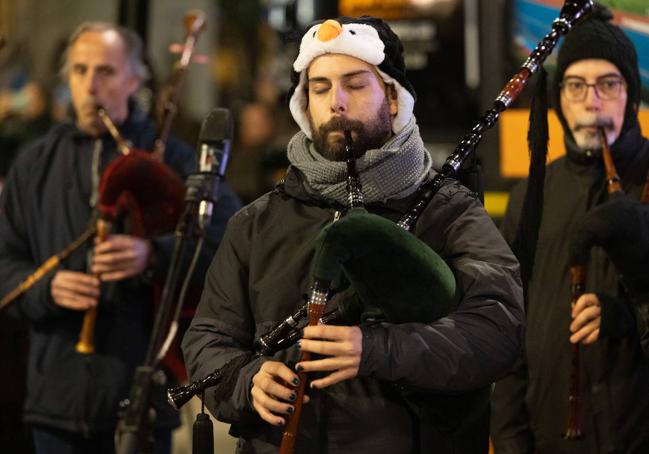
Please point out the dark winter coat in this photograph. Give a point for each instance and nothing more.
(529, 407)
(258, 277)
(43, 208)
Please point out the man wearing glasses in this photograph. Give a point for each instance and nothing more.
(596, 85)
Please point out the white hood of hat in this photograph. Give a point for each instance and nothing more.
(357, 40)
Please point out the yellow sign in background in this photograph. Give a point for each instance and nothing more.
(389, 9)
(514, 154)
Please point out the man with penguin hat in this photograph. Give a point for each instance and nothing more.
(375, 386)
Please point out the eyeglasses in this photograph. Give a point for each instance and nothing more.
(608, 88)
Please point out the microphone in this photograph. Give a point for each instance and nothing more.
(214, 143)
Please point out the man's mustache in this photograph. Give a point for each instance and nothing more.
(91, 103)
(600, 122)
(341, 124)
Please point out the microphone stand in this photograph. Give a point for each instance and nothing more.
(134, 433)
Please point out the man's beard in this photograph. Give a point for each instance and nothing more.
(589, 139)
(369, 136)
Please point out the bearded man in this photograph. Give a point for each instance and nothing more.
(350, 74)
(597, 85)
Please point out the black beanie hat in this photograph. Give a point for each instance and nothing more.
(598, 38)
(367, 38)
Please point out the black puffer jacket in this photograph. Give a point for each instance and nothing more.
(529, 407)
(43, 208)
(258, 277)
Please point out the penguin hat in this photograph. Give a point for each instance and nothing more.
(367, 38)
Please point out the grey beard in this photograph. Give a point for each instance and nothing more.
(585, 139)
(587, 142)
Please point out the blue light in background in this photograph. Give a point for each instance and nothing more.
(533, 19)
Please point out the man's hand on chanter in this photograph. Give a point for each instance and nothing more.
(342, 345)
(120, 257)
(74, 290)
(272, 388)
(586, 319)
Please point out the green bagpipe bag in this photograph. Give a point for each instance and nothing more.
(394, 275)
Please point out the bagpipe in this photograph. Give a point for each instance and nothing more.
(124, 190)
(425, 289)
(599, 228)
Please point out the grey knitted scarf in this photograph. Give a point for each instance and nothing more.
(393, 171)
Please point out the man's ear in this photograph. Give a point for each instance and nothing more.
(134, 82)
(393, 99)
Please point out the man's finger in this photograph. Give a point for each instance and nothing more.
(592, 338)
(328, 364)
(75, 276)
(269, 402)
(577, 337)
(71, 300)
(77, 288)
(99, 268)
(80, 284)
(266, 415)
(340, 348)
(584, 301)
(269, 417)
(330, 332)
(114, 243)
(580, 335)
(272, 388)
(115, 257)
(281, 370)
(333, 378)
(585, 331)
(585, 317)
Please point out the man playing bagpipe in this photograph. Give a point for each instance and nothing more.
(376, 385)
(51, 193)
(597, 95)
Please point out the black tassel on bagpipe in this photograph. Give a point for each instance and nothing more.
(203, 432)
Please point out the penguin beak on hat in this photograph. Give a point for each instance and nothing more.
(329, 30)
